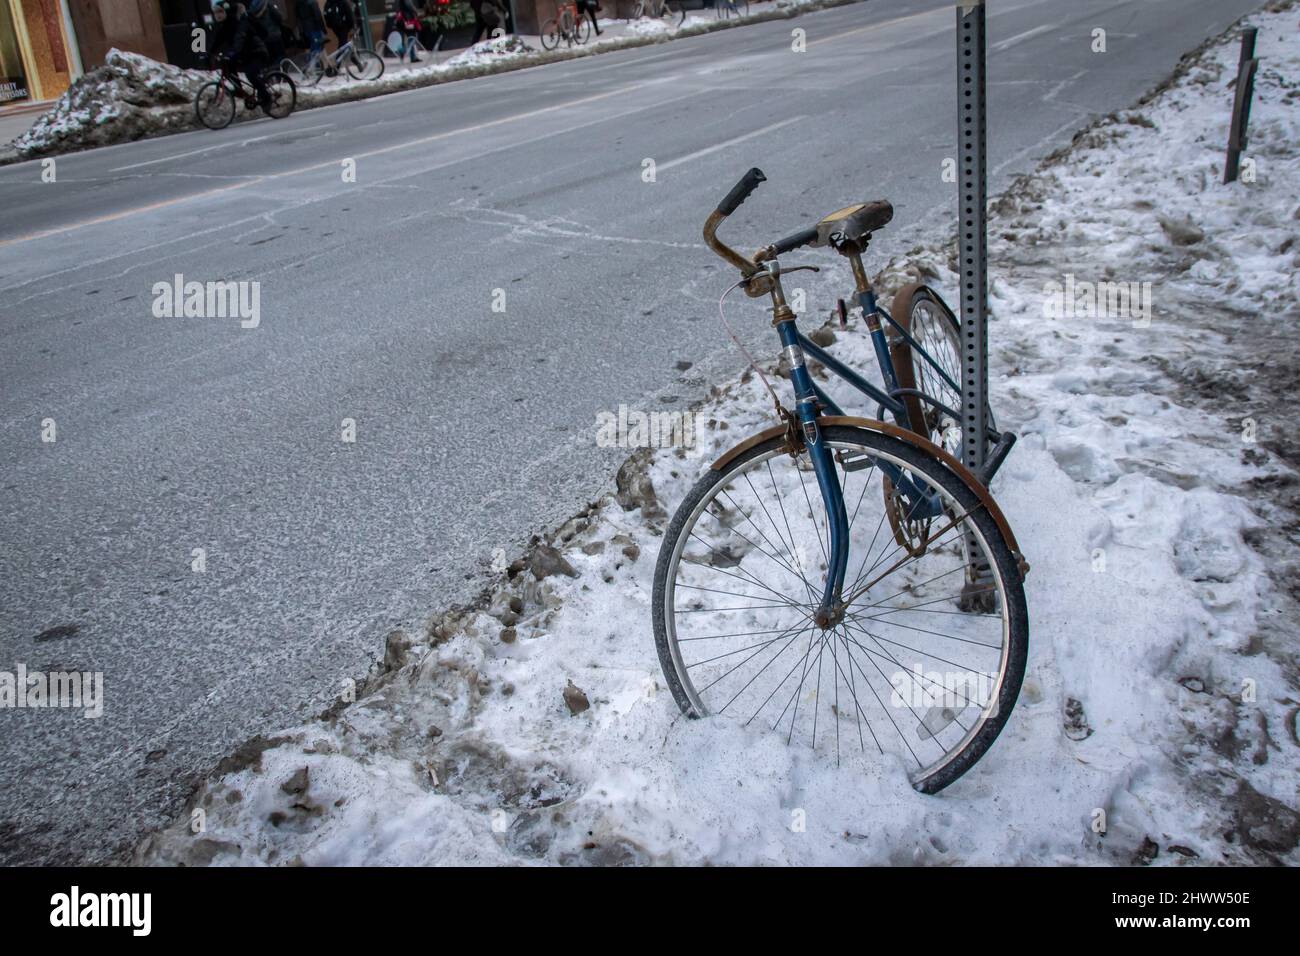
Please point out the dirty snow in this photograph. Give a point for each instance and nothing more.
(1152, 492)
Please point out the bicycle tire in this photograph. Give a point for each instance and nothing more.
(550, 35)
(679, 645)
(582, 31)
(214, 106)
(364, 65)
(927, 318)
(284, 95)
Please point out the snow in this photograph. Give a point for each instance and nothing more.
(1133, 493)
(128, 97)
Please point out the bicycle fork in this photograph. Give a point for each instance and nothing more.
(921, 501)
(830, 611)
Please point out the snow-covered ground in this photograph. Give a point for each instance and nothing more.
(1153, 492)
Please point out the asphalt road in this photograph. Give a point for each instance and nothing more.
(474, 427)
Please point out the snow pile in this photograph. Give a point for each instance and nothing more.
(130, 96)
(488, 51)
(1157, 719)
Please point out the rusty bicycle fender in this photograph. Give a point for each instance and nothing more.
(911, 438)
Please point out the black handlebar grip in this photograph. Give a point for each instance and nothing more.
(740, 192)
(795, 241)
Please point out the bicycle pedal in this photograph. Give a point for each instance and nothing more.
(856, 462)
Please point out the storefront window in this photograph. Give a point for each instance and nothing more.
(13, 77)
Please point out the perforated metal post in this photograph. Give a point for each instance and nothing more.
(972, 235)
(972, 245)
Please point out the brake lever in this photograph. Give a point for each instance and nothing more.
(762, 282)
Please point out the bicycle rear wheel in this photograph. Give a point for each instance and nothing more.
(364, 65)
(935, 372)
(582, 30)
(912, 670)
(214, 105)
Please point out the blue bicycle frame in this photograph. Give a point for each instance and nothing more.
(811, 401)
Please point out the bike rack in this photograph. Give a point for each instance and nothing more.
(288, 64)
(383, 45)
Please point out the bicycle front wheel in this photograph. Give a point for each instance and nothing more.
(364, 65)
(926, 660)
(582, 31)
(214, 105)
(284, 95)
(550, 34)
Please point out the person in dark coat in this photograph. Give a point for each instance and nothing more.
(591, 6)
(239, 45)
(311, 24)
(341, 19)
(268, 18)
(489, 15)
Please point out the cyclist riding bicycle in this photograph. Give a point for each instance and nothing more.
(241, 46)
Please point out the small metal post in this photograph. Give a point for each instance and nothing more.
(1247, 65)
(972, 232)
(363, 26)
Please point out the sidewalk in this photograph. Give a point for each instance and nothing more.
(612, 29)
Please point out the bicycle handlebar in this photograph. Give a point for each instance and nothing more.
(792, 242)
(740, 192)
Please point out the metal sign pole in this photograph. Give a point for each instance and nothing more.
(363, 26)
(972, 234)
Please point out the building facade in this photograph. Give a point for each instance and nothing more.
(38, 59)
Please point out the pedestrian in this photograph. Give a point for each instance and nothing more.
(408, 24)
(311, 25)
(591, 6)
(240, 46)
(268, 18)
(489, 16)
(341, 18)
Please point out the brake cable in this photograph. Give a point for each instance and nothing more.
(776, 402)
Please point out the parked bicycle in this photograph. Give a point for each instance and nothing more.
(568, 25)
(357, 63)
(727, 8)
(216, 100)
(847, 580)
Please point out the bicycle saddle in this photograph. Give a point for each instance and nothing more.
(854, 223)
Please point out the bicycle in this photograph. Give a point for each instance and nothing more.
(758, 611)
(214, 103)
(728, 8)
(568, 25)
(359, 64)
